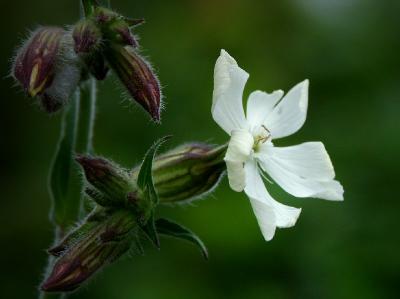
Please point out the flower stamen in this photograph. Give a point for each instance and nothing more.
(262, 137)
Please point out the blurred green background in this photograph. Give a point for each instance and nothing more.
(349, 49)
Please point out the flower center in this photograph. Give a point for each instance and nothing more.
(262, 135)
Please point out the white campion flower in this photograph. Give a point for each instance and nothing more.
(303, 170)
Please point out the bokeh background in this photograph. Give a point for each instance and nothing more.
(349, 49)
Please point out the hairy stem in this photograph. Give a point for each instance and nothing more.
(65, 185)
(87, 114)
(76, 136)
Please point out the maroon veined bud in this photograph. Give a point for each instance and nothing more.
(96, 248)
(187, 172)
(109, 179)
(87, 36)
(116, 28)
(34, 65)
(87, 44)
(47, 67)
(137, 76)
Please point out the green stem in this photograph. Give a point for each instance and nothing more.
(63, 212)
(65, 183)
(76, 135)
(87, 114)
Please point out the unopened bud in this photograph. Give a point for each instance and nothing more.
(110, 180)
(187, 172)
(101, 245)
(119, 32)
(34, 64)
(137, 76)
(87, 36)
(116, 28)
(46, 67)
(87, 44)
(104, 15)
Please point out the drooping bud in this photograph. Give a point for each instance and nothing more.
(105, 242)
(111, 182)
(119, 49)
(46, 67)
(137, 76)
(34, 64)
(187, 172)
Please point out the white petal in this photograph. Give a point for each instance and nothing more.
(304, 170)
(269, 213)
(289, 115)
(229, 82)
(265, 216)
(259, 105)
(239, 149)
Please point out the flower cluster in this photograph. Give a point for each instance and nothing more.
(53, 61)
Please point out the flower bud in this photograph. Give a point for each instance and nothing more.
(104, 15)
(34, 64)
(105, 242)
(115, 27)
(46, 67)
(87, 36)
(187, 172)
(137, 76)
(112, 182)
(87, 44)
(119, 32)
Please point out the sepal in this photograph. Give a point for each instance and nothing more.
(145, 177)
(150, 231)
(173, 229)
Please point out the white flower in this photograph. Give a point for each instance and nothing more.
(303, 170)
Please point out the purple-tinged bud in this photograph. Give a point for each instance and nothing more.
(111, 181)
(87, 37)
(137, 76)
(187, 172)
(47, 67)
(116, 28)
(88, 45)
(104, 15)
(119, 32)
(34, 65)
(96, 248)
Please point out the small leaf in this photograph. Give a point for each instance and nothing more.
(137, 245)
(145, 178)
(151, 232)
(173, 229)
(65, 207)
